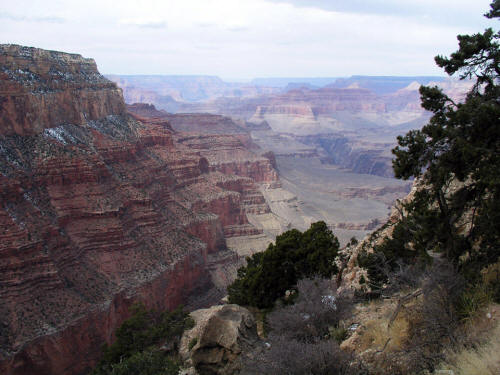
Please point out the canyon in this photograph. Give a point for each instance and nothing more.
(331, 139)
(308, 189)
(105, 204)
(101, 209)
(348, 122)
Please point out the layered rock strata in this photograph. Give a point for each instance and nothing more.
(40, 89)
(100, 210)
(360, 156)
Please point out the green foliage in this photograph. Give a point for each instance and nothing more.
(137, 337)
(406, 246)
(461, 143)
(193, 342)
(145, 363)
(472, 300)
(353, 241)
(317, 251)
(339, 334)
(294, 256)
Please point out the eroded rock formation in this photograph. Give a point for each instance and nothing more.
(40, 89)
(360, 156)
(100, 210)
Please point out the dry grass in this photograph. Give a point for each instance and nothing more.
(491, 273)
(375, 333)
(484, 359)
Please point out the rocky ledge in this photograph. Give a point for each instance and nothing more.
(41, 89)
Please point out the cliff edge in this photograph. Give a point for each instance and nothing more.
(41, 89)
(100, 210)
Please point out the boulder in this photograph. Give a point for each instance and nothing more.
(220, 335)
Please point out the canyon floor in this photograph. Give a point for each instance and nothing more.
(353, 203)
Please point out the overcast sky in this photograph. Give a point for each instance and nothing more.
(248, 38)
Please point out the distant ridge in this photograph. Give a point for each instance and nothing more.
(170, 91)
(283, 82)
(385, 84)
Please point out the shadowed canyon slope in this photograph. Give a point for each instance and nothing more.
(101, 209)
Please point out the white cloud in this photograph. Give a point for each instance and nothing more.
(245, 38)
(19, 18)
(150, 23)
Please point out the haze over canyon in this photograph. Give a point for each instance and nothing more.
(331, 137)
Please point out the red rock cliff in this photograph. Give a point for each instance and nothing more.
(41, 89)
(99, 210)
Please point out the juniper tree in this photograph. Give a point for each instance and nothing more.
(461, 143)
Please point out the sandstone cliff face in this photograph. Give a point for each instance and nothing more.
(203, 123)
(328, 100)
(41, 89)
(99, 210)
(143, 109)
(304, 103)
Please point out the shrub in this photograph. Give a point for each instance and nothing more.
(339, 334)
(291, 357)
(435, 321)
(304, 337)
(353, 241)
(137, 337)
(193, 342)
(295, 255)
(145, 363)
(472, 300)
(317, 309)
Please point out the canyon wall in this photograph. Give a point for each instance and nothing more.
(41, 89)
(100, 210)
(358, 156)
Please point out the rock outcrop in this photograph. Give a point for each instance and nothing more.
(41, 89)
(351, 273)
(220, 335)
(143, 109)
(203, 123)
(100, 210)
